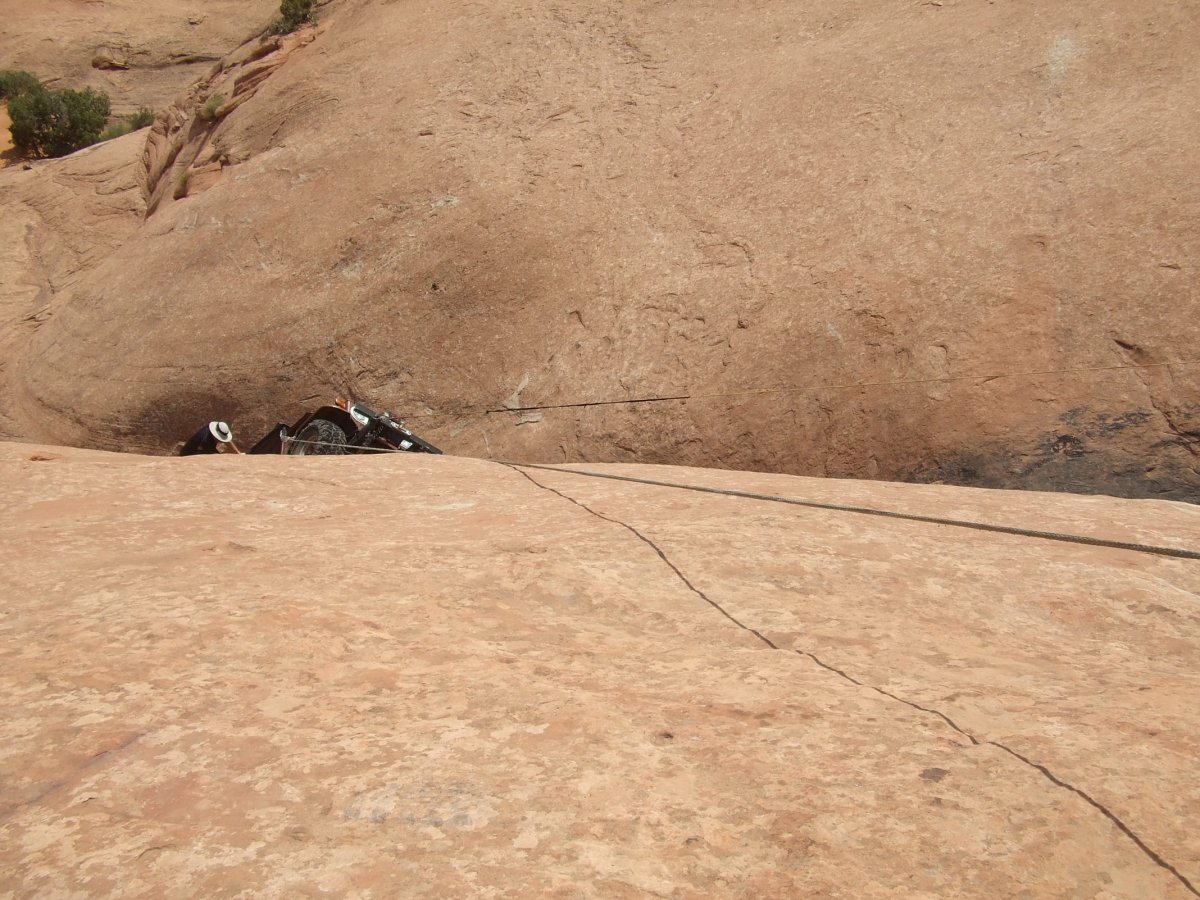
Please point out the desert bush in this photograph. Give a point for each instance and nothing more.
(116, 130)
(13, 82)
(140, 119)
(292, 14)
(208, 111)
(296, 11)
(35, 116)
(55, 123)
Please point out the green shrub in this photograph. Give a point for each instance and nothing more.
(87, 110)
(140, 119)
(116, 130)
(292, 14)
(36, 116)
(296, 12)
(13, 83)
(208, 111)
(55, 123)
(143, 117)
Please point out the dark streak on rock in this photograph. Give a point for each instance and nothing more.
(10, 809)
(1083, 456)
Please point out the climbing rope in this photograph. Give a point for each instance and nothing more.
(465, 412)
(1175, 552)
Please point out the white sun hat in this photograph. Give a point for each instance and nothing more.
(221, 432)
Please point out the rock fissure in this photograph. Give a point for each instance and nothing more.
(658, 550)
(926, 709)
(1105, 811)
(1044, 771)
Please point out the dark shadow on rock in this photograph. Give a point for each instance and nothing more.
(170, 420)
(1085, 456)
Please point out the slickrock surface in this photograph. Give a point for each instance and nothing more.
(60, 219)
(429, 676)
(452, 205)
(139, 52)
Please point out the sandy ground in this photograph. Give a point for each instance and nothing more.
(6, 145)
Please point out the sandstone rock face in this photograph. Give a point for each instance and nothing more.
(441, 207)
(139, 53)
(61, 219)
(428, 676)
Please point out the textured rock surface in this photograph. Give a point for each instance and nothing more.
(431, 676)
(444, 206)
(60, 219)
(139, 53)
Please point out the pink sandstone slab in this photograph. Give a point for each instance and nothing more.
(430, 677)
